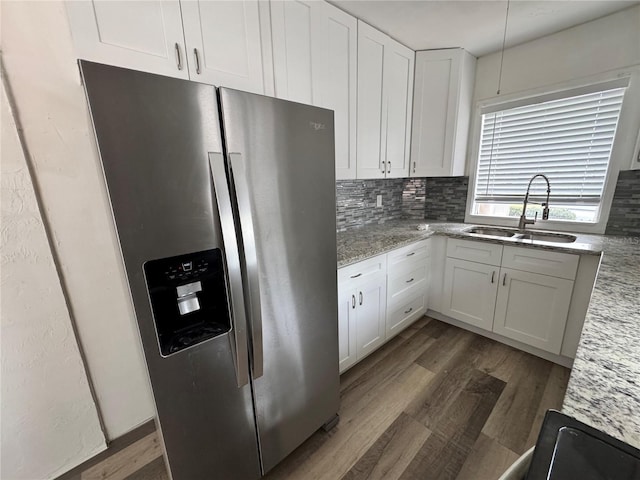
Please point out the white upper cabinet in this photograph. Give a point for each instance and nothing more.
(223, 43)
(314, 60)
(212, 42)
(141, 35)
(296, 50)
(371, 104)
(441, 112)
(398, 88)
(385, 91)
(338, 90)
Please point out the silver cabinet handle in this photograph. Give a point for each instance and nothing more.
(493, 276)
(504, 280)
(239, 178)
(408, 311)
(414, 167)
(409, 254)
(178, 57)
(356, 276)
(410, 280)
(388, 167)
(361, 298)
(195, 54)
(384, 167)
(232, 257)
(353, 301)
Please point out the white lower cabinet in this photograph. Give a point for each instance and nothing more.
(528, 306)
(370, 312)
(378, 298)
(532, 308)
(407, 285)
(361, 318)
(400, 317)
(346, 329)
(470, 292)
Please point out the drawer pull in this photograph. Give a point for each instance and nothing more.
(361, 298)
(409, 254)
(408, 311)
(353, 301)
(356, 276)
(410, 280)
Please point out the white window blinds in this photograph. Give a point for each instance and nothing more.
(567, 139)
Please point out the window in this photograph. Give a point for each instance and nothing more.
(568, 139)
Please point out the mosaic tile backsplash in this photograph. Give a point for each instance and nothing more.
(434, 198)
(624, 217)
(446, 198)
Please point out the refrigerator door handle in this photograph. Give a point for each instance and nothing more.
(239, 331)
(239, 178)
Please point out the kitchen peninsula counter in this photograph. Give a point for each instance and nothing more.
(604, 387)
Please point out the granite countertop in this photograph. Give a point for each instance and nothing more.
(359, 243)
(604, 387)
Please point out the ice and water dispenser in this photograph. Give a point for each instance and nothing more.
(188, 298)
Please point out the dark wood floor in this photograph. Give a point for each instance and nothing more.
(436, 402)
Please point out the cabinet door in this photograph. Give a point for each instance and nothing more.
(398, 90)
(346, 328)
(370, 315)
(339, 33)
(297, 54)
(223, 43)
(372, 106)
(441, 112)
(141, 35)
(470, 292)
(532, 308)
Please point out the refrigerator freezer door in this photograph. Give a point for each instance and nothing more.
(282, 161)
(154, 136)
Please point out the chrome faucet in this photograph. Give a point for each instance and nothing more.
(524, 221)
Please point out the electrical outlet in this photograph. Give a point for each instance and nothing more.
(379, 201)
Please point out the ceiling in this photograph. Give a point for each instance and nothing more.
(477, 26)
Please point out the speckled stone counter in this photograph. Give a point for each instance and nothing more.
(368, 241)
(604, 387)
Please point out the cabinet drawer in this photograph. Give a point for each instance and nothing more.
(481, 252)
(363, 271)
(545, 262)
(409, 255)
(411, 280)
(401, 316)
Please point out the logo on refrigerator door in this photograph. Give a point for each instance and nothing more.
(317, 126)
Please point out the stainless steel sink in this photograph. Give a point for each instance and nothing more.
(546, 237)
(492, 231)
(517, 235)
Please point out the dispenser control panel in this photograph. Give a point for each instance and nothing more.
(187, 270)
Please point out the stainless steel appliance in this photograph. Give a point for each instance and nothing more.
(224, 204)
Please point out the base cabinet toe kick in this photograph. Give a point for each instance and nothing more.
(530, 298)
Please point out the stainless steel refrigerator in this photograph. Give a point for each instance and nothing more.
(224, 205)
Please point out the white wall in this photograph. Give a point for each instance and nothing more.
(605, 44)
(42, 69)
(589, 53)
(49, 422)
